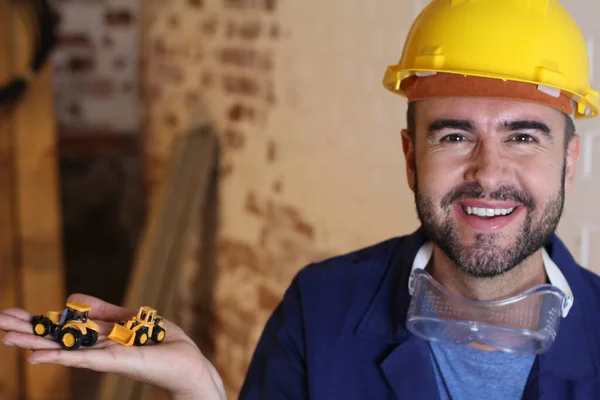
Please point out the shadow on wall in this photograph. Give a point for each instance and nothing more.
(103, 207)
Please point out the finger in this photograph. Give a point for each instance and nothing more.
(9, 323)
(101, 309)
(104, 327)
(18, 313)
(29, 341)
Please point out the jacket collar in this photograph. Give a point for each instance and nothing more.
(572, 356)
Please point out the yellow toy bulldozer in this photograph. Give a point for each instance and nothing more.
(145, 325)
(71, 327)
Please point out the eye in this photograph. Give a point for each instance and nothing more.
(453, 137)
(523, 138)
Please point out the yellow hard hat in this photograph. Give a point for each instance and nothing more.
(531, 41)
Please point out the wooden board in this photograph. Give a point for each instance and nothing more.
(10, 377)
(37, 211)
(157, 269)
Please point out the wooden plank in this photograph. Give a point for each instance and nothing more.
(10, 368)
(157, 267)
(38, 240)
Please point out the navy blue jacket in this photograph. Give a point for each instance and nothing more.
(339, 333)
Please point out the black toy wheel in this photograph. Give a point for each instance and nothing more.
(70, 339)
(41, 326)
(158, 335)
(141, 337)
(90, 338)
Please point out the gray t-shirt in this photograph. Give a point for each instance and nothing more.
(463, 372)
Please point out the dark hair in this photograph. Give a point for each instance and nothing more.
(411, 115)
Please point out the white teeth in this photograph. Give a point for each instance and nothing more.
(488, 212)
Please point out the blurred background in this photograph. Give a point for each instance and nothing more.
(296, 157)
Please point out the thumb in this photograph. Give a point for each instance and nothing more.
(102, 310)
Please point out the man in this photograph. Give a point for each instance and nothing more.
(484, 300)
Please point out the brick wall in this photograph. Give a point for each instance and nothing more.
(311, 162)
(96, 66)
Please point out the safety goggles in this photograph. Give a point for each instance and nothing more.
(526, 323)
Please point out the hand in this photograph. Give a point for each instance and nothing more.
(183, 370)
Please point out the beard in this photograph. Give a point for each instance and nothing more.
(485, 258)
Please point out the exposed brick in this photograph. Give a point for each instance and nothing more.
(118, 18)
(160, 48)
(192, 98)
(74, 40)
(81, 64)
(250, 30)
(119, 63)
(169, 72)
(271, 151)
(171, 119)
(233, 139)
(75, 109)
(238, 111)
(241, 85)
(270, 5)
(252, 206)
(278, 186)
(235, 254)
(304, 229)
(209, 26)
(100, 87)
(225, 170)
(173, 22)
(244, 57)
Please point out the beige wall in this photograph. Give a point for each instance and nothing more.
(580, 226)
(312, 163)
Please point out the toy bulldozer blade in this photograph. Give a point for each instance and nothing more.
(138, 330)
(122, 335)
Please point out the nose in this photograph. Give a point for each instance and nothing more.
(488, 166)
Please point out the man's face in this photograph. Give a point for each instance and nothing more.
(489, 178)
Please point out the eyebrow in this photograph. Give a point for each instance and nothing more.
(468, 126)
(524, 125)
(459, 124)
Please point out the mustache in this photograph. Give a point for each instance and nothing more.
(472, 190)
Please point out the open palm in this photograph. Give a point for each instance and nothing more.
(182, 368)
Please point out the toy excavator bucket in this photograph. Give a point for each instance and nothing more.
(122, 335)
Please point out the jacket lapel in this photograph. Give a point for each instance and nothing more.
(408, 370)
(572, 354)
(408, 367)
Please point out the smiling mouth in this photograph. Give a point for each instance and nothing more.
(487, 213)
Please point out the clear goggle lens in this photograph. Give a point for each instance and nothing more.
(527, 323)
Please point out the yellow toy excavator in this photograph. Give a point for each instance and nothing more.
(147, 324)
(71, 327)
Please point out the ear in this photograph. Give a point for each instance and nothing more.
(408, 146)
(571, 161)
